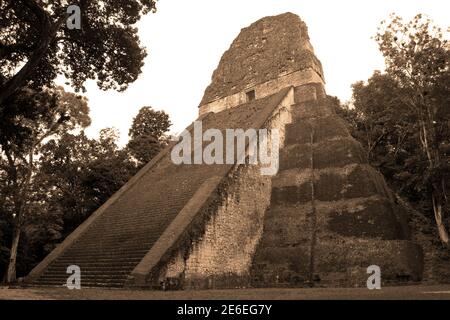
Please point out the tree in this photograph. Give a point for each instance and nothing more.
(64, 162)
(36, 45)
(417, 56)
(29, 119)
(82, 173)
(382, 118)
(405, 112)
(72, 174)
(147, 134)
(384, 126)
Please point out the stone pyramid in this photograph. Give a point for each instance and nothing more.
(321, 220)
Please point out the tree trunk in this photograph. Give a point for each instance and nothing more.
(434, 161)
(437, 208)
(49, 32)
(11, 272)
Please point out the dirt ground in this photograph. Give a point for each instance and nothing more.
(400, 293)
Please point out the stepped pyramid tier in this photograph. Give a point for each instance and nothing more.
(331, 215)
(271, 54)
(323, 219)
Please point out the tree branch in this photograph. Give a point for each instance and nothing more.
(48, 33)
(6, 50)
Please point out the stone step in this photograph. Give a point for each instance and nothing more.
(105, 247)
(111, 266)
(88, 274)
(286, 226)
(326, 128)
(98, 271)
(278, 266)
(128, 226)
(105, 254)
(120, 242)
(138, 247)
(399, 260)
(98, 260)
(311, 109)
(330, 184)
(101, 258)
(103, 233)
(292, 186)
(57, 279)
(85, 276)
(84, 284)
(364, 218)
(327, 154)
(375, 217)
(91, 267)
(100, 248)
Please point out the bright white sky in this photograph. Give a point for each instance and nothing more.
(185, 40)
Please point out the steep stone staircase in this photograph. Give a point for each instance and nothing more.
(331, 214)
(120, 237)
(118, 240)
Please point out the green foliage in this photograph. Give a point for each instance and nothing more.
(30, 118)
(149, 122)
(402, 116)
(53, 176)
(35, 40)
(415, 52)
(147, 134)
(81, 174)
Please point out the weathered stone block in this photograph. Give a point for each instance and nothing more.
(311, 109)
(294, 194)
(281, 267)
(399, 260)
(329, 128)
(348, 182)
(305, 93)
(372, 218)
(327, 154)
(299, 132)
(287, 226)
(296, 156)
(324, 128)
(330, 184)
(338, 153)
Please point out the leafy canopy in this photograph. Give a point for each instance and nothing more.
(36, 45)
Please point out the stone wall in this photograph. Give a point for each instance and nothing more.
(226, 248)
(223, 254)
(296, 79)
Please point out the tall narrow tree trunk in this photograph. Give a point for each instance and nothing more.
(437, 208)
(11, 272)
(433, 159)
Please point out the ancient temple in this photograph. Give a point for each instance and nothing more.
(322, 220)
